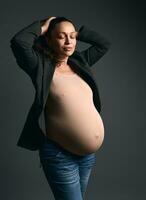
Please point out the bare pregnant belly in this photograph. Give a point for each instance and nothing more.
(71, 117)
(80, 134)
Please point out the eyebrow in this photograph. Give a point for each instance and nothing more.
(70, 32)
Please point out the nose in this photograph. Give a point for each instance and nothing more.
(67, 41)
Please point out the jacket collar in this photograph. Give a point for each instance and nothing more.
(76, 61)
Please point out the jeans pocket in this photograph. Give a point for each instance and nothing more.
(49, 150)
(50, 155)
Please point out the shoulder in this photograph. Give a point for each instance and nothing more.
(77, 55)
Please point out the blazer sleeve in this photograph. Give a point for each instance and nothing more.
(22, 46)
(99, 45)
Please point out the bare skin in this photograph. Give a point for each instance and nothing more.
(46, 25)
(64, 37)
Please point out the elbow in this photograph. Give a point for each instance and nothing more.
(14, 41)
(13, 44)
(16, 44)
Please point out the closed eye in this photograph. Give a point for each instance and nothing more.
(73, 35)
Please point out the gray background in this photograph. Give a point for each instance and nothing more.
(120, 172)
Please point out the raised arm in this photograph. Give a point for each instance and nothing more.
(22, 44)
(99, 45)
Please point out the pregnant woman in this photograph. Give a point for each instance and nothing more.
(64, 123)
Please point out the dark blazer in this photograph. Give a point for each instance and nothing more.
(40, 71)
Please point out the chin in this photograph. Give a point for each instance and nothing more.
(69, 53)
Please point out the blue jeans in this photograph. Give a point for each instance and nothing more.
(67, 173)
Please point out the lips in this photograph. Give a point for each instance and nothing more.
(68, 48)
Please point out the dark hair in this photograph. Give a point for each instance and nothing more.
(41, 44)
(53, 23)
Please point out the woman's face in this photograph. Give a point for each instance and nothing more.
(63, 39)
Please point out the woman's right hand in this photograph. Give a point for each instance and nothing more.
(45, 26)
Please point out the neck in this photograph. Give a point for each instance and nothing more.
(61, 61)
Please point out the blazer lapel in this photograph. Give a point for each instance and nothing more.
(49, 69)
(47, 77)
(83, 67)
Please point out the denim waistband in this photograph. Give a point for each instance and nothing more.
(51, 145)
